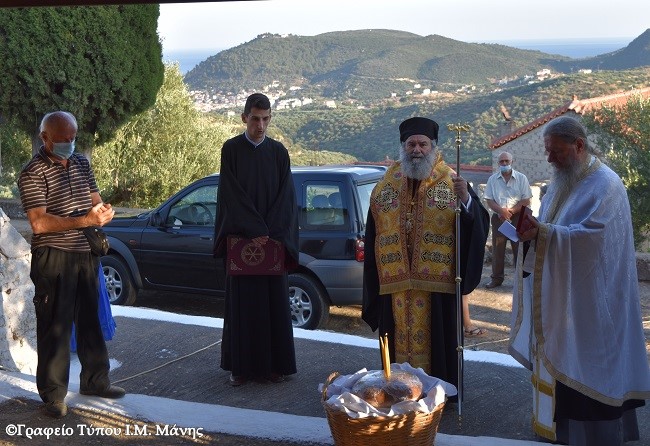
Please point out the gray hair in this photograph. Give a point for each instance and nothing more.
(508, 154)
(568, 129)
(57, 116)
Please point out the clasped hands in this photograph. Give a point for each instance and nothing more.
(506, 214)
(261, 240)
(100, 214)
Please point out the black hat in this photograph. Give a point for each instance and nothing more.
(418, 126)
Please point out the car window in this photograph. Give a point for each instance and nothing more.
(364, 191)
(326, 206)
(198, 208)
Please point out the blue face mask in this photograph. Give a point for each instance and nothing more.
(505, 169)
(63, 150)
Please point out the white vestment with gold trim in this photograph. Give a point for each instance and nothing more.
(577, 318)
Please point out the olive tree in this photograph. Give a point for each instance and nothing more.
(101, 63)
(623, 134)
(14, 153)
(162, 149)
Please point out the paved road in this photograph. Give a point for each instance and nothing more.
(497, 396)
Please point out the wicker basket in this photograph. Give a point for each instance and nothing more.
(412, 429)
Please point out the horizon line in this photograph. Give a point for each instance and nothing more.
(526, 41)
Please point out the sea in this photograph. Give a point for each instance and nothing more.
(188, 59)
(574, 48)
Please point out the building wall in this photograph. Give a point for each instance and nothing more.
(528, 156)
(528, 153)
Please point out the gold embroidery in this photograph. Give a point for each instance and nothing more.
(386, 199)
(415, 231)
(443, 196)
(385, 240)
(412, 313)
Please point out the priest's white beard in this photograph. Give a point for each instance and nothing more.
(417, 168)
(564, 180)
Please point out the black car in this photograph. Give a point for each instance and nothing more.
(170, 247)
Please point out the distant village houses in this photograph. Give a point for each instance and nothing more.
(286, 97)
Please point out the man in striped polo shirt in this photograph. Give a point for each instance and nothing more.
(60, 197)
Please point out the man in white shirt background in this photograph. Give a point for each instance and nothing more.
(506, 192)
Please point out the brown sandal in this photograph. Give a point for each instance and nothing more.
(474, 332)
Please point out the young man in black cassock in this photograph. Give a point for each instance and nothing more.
(256, 200)
(409, 268)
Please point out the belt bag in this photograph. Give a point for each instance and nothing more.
(97, 240)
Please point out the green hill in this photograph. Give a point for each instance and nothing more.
(337, 64)
(368, 65)
(371, 134)
(377, 79)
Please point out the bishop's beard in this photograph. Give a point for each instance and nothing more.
(417, 168)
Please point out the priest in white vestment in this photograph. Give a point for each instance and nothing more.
(576, 321)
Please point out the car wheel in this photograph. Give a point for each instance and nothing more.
(309, 308)
(119, 284)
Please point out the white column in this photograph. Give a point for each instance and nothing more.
(17, 316)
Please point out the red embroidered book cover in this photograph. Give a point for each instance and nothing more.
(244, 257)
(525, 219)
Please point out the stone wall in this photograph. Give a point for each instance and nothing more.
(528, 156)
(643, 266)
(17, 317)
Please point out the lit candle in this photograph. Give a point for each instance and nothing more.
(385, 354)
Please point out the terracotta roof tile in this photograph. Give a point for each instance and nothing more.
(576, 105)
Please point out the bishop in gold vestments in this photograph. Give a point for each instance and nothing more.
(410, 263)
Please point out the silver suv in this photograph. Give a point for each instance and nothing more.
(170, 247)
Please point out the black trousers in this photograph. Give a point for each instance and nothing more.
(66, 290)
(499, 242)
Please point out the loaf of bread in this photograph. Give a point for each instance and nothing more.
(381, 393)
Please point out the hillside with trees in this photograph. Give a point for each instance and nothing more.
(636, 54)
(369, 65)
(360, 85)
(371, 134)
(362, 64)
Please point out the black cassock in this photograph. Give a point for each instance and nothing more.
(377, 309)
(255, 198)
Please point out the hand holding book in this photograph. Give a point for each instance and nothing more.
(527, 225)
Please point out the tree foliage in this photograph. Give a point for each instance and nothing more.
(371, 134)
(366, 65)
(172, 144)
(160, 150)
(377, 61)
(102, 63)
(14, 153)
(623, 135)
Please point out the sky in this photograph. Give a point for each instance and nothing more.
(217, 418)
(222, 25)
